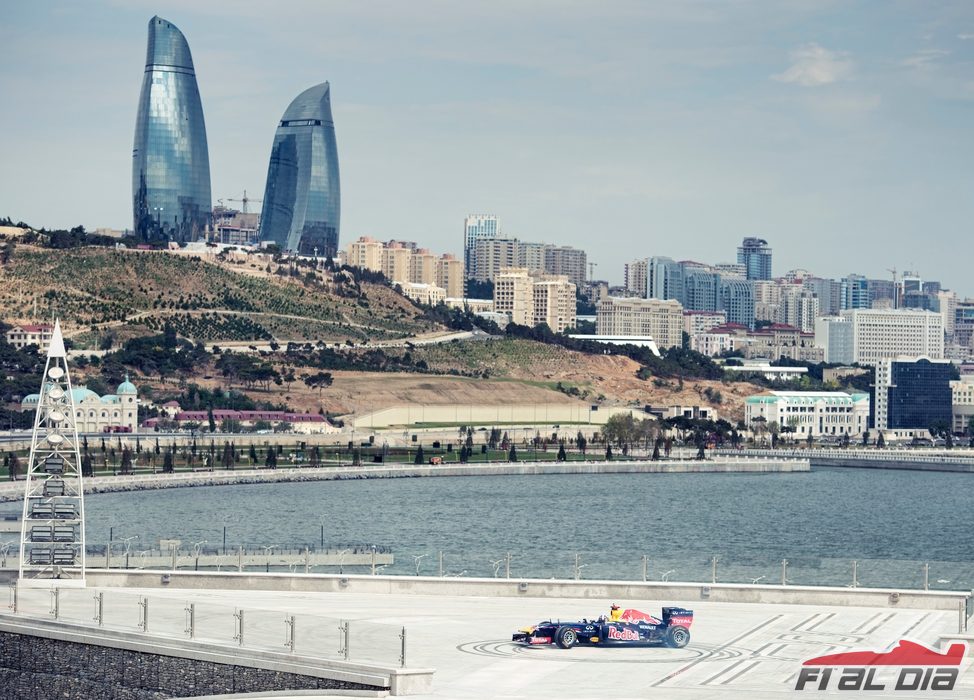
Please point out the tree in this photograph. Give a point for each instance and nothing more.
(229, 456)
(865, 438)
(561, 453)
(581, 442)
(656, 445)
(419, 455)
(512, 455)
(319, 381)
(126, 461)
(87, 467)
(809, 438)
(881, 441)
(271, 461)
(608, 451)
(13, 466)
(167, 462)
(288, 378)
(252, 454)
(701, 440)
(210, 419)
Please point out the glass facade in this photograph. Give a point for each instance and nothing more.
(302, 201)
(920, 395)
(170, 162)
(755, 255)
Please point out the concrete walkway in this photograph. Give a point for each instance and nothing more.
(736, 650)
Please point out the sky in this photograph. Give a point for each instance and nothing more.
(841, 132)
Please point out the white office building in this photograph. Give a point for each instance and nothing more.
(880, 334)
(814, 413)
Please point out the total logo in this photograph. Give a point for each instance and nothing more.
(624, 635)
(907, 666)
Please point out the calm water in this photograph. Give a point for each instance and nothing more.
(891, 521)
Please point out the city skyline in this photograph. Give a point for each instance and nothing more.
(840, 136)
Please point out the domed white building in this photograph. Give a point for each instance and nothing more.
(111, 413)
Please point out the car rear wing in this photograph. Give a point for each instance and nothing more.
(678, 616)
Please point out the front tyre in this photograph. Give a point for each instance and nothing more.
(677, 637)
(566, 637)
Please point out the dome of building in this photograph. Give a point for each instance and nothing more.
(126, 387)
(81, 393)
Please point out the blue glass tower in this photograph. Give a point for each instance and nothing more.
(302, 200)
(170, 161)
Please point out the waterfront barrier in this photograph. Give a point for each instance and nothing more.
(869, 458)
(12, 491)
(539, 588)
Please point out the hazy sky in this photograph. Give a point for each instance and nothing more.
(839, 131)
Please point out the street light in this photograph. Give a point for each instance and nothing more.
(128, 547)
(267, 553)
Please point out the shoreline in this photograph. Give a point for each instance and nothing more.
(11, 492)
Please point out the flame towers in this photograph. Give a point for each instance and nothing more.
(301, 199)
(170, 162)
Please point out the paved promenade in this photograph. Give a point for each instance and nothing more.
(736, 651)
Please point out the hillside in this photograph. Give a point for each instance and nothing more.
(126, 293)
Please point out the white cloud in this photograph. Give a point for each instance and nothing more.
(813, 66)
(965, 37)
(924, 57)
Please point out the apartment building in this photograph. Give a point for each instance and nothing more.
(660, 319)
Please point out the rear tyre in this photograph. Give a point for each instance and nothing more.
(566, 637)
(677, 637)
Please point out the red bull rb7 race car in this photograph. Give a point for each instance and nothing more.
(634, 628)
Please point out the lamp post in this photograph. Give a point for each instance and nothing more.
(128, 547)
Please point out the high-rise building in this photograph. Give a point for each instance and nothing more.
(395, 262)
(855, 292)
(636, 274)
(828, 292)
(422, 267)
(568, 261)
(554, 302)
(913, 394)
(737, 300)
(879, 334)
(660, 319)
(665, 279)
(514, 295)
(834, 335)
(489, 255)
(532, 299)
(170, 161)
(882, 293)
(449, 276)
(701, 289)
(476, 227)
(365, 253)
(302, 198)
(755, 255)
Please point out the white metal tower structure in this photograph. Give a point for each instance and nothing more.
(52, 539)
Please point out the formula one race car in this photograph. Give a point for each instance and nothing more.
(634, 628)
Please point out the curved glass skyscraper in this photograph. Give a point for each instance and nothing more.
(302, 201)
(170, 162)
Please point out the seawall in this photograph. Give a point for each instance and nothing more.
(928, 461)
(139, 482)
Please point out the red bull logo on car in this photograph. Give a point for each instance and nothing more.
(622, 635)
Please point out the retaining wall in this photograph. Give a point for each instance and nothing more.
(47, 659)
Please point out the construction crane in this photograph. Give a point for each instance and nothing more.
(896, 292)
(243, 201)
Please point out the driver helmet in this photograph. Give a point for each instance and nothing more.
(615, 607)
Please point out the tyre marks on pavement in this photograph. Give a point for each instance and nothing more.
(727, 645)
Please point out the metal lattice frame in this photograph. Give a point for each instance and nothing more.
(52, 539)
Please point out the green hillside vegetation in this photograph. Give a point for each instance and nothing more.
(138, 292)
